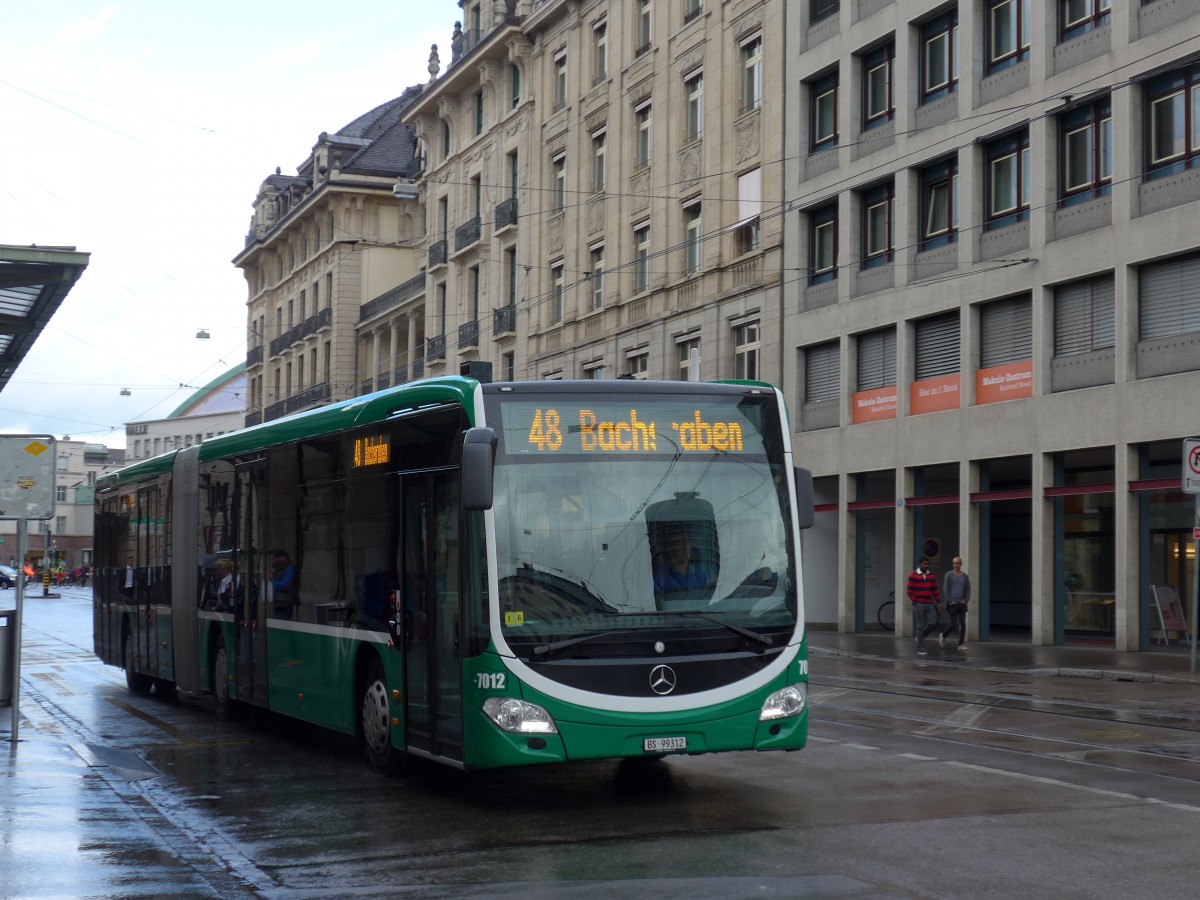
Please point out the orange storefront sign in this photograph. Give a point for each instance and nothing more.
(934, 395)
(1013, 381)
(875, 406)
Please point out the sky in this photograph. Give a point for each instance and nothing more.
(139, 132)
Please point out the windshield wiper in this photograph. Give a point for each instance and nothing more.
(764, 639)
(555, 646)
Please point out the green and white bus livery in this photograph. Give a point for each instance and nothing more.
(480, 574)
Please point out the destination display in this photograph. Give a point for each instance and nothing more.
(373, 450)
(629, 428)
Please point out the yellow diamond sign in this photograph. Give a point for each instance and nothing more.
(37, 448)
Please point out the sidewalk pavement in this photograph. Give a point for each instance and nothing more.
(1170, 664)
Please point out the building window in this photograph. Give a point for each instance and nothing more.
(593, 372)
(641, 258)
(1084, 316)
(1006, 332)
(936, 346)
(752, 74)
(693, 90)
(600, 52)
(479, 112)
(746, 346)
(643, 15)
(445, 140)
(683, 358)
(514, 80)
(823, 240)
(1079, 16)
(596, 275)
(822, 376)
(939, 204)
(691, 238)
(641, 138)
(1008, 25)
(1007, 179)
(824, 97)
(560, 81)
(819, 10)
(876, 360)
(939, 57)
(1086, 162)
(748, 236)
(508, 366)
(558, 190)
(510, 275)
(638, 365)
(599, 152)
(1173, 128)
(692, 9)
(1169, 299)
(878, 102)
(877, 225)
(60, 493)
(556, 291)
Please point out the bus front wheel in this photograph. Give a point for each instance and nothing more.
(376, 709)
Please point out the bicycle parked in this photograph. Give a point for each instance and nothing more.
(887, 614)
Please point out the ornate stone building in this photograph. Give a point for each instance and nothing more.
(594, 190)
(336, 301)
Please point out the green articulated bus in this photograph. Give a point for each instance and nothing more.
(479, 574)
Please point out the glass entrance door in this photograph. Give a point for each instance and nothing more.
(432, 618)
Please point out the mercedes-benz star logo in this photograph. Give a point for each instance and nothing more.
(662, 679)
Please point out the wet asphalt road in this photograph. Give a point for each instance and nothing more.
(915, 784)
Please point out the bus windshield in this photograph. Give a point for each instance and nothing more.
(619, 512)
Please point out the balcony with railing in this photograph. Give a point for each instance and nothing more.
(435, 347)
(506, 213)
(437, 254)
(690, 15)
(324, 318)
(504, 320)
(468, 335)
(254, 355)
(392, 298)
(467, 234)
(318, 393)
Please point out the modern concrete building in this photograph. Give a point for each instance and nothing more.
(994, 305)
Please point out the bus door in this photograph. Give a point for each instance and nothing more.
(250, 563)
(145, 580)
(429, 582)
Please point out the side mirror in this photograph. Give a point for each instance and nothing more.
(478, 461)
(804, 497)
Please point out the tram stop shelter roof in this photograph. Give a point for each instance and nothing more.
(34, 281)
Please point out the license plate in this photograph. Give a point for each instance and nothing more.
(664, 744)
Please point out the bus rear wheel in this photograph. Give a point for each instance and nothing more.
(135, 681)
(376, 709)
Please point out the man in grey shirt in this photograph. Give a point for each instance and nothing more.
(956, 594)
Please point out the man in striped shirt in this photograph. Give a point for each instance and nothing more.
(922, 590)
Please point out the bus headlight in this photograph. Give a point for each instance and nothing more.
(790, 701)
(514, 715)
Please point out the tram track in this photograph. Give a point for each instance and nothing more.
(1089, 748)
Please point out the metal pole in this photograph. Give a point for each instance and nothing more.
(22, 526)
(1195, 578)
